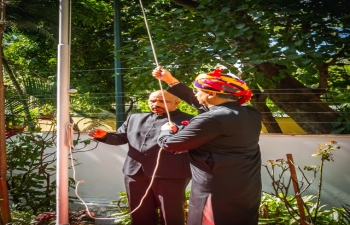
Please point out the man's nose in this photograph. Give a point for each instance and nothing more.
(158, 103)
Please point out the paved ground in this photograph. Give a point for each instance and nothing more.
(100, 210)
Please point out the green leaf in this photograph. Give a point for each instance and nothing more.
(242, 7)
(209, 22)
(178, 11)
(256, 62)
(218, 34)
(241, 31)
(225, 9)
(252, 12)
(233, 49)
(317, 54)
(337, 131)
(254, 56)
(240, 26)
(248, 52)
(294, 56)
(306, 61)
(307, 35)
(86, 142)
(232, 60)
(336, 124)
(298, 43)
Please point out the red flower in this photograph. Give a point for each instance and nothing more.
(12, 131)
(100, 133)
(216, 72)
(185, 122)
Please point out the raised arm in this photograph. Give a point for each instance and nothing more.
(177, 88)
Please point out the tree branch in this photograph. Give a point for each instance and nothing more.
(336, 56)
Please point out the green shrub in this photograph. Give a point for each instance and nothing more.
(345, 214)
(29, 172)
(21, 217)
(279, 208)
(274, 211)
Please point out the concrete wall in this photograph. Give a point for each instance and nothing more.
(336, 180)
(101, 167)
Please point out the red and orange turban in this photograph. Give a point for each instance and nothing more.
(217, 82)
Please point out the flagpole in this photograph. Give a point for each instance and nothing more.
(63, 83)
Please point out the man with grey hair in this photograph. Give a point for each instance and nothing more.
(167, 193)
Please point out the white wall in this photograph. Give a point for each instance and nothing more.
(101, 167)
(336, 179)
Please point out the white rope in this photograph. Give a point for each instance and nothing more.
(166, 109)
(69, 135)
(159, 152)
(155, 56)
(150, 185)
(70, 138)
(149, 34)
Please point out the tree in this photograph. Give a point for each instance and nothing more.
(31, 52)
(37, 23)
(32, 19)
(5, 216)
(276, 45)
(293, 54)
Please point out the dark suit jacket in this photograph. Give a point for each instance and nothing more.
(225, 159)
(140, 131)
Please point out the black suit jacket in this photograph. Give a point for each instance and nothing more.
(140, 131)
(225, 159)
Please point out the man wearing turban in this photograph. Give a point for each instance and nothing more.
(223, 147)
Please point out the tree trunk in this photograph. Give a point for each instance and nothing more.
(259, 101)
(298, 101)
(5, 216)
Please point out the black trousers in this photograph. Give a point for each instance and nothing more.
(166, 195)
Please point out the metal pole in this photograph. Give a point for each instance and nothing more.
(119, 87)
(63, 79)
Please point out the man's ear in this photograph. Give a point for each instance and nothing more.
(211, 94)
